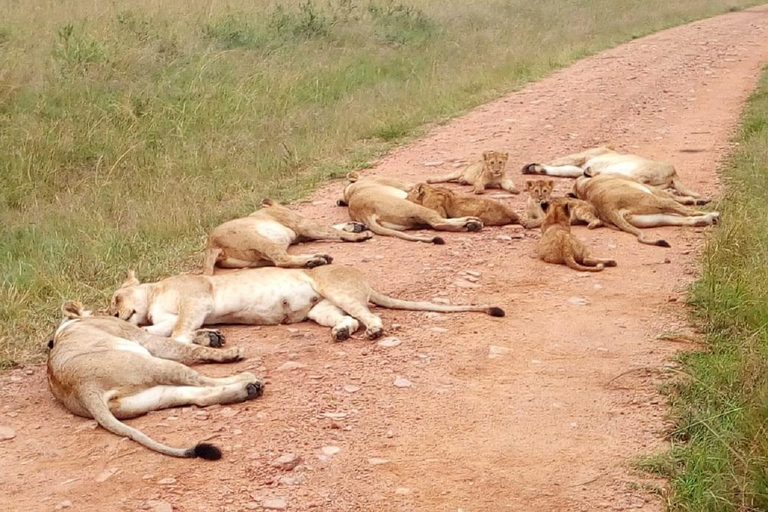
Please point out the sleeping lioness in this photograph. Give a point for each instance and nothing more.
(262, 239)
(605, 161)
(381, 204)
(450, 205)
(330, 295)
(627, 205)
(107, 369)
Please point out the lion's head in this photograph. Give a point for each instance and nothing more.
(129, 302)
(540, 190)
(495, 162)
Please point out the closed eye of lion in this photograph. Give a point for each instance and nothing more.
(330, 295)
(107, 369)
(262, 239)
(605, 161)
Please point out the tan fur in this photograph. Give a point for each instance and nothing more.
(330, 295)
(449, 204)
(105, 368)
(382, 205)
(538, 191)
(557, 244)
(605, 160)
(262, 239)
(489, 172)
(627, 205)
(583, 212)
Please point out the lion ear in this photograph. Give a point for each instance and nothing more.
(130, 280)
(420, 189)
(505, 155)
(571, 195)
(528, 184)
(487, 155)
(551, 183)
(267, 202)
(567, 209)
(72, 309)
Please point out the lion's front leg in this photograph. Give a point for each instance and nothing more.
(509, 185)
(325, 313)
(192, 315)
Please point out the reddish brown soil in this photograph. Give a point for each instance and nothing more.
(553, 425)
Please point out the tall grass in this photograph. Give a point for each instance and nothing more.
(719, 456)
(128, 129)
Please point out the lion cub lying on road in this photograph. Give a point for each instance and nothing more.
(381, 204)
(107, 369)
(486, 173)
(558, 245)
(330, 295)
(450, 205)
(262, 239)
(605, 161)
(627, 205)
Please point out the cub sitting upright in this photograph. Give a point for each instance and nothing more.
(558, 245)
(262, 239)
(486, 173)
(538, 192)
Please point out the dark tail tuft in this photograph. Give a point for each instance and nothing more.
(205, 451)
(438, 241)
(494, 311)
(663, 243)
(341, 202)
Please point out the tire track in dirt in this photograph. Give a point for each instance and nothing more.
(551, 425)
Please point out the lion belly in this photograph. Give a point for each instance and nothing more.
(265, 296)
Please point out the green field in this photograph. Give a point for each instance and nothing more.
(719, 456)
(128, 129)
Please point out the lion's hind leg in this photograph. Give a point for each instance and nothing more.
(327, 314)
(444, 178)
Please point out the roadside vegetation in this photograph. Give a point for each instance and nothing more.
(719, 456)
(128, 129)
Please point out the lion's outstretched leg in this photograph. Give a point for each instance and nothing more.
(559, 171)
(280, 257)
(316, 231)
(164, 397)
(192, 315)
(329, 315)
(435, 221)
(174, 350)
(509, 185)
(443, 178)
(664, 219)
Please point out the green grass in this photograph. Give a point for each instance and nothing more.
(129, 129)
(719, 456)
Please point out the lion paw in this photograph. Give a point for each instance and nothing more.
(373, 333)
(473, 225)
(319, 260)
(234, 354)
(340, 334)
(254, 389)
(531, 169)
(209, 338)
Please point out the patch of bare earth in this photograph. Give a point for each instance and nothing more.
(551, 423)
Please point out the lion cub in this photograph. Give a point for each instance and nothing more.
(538, 191)
(558, 245)
(451, 205)
(486, 173)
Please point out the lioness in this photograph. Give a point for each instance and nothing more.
(262, 239)
(558, 245)
(330, 295)
(104, 368)
(449, 204)
(627, 205)
(604, 160)
(486, 173)
(381, 204)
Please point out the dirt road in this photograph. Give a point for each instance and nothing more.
(551, 424)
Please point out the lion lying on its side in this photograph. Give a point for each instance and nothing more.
(381, 204)
(450, 205)
(605, 161)
(330, 295)
(627, 205)
(262, 239)
(104, 368)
